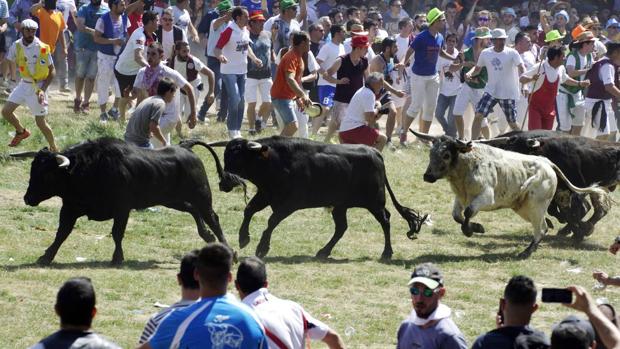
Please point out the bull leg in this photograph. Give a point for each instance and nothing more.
(339, 214)
(67, 220)
(535, 214)
(200, 224)
(457, 211)
(118, 232)
(276, 217)
(483, 199)
(256, 204)
(213, 221)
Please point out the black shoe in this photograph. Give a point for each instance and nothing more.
(258, 125)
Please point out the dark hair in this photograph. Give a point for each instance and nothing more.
(554, 52)
(300, 37)
(403, 22)
(392, 2)
(612, 47)
(186, 274)
(451, 35)
(313, 27)
(351, 10)
(251, 274)
(149, 16)
(450, 5)
(165, 85)
(520, 291)
(387, 42)
(157, 46)
(530, 27)
(332, 14)
(351, 22)
(49, 4)
(520, 36)
(213, 265)
(335, 29)
(237, 12)
(75, 302)
(369, 24)
(569, 336)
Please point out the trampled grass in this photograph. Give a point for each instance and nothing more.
(360, 297)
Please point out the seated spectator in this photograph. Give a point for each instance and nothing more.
(190, 292)
(286, 323)
(514, 316)
(75, 305)
(216, 320)
(573, 333)
(429, 326)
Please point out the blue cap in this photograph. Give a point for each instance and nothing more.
(509, 11)
(612, 22)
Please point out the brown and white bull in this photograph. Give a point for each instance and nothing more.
(486, 178)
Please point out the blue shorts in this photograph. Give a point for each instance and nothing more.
(285, 110)
(326, 95)
(86, 62)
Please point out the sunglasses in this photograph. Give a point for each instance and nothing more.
(426, 293)
(483, 19)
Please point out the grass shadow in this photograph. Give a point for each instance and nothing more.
(131, 265)
(305, 259)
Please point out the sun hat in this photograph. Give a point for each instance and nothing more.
(433, 15)
(224, 6)
(482, 33)
(359, 41)
(498, 33)
(428, 275)
(509, 11)
(553, 35)
(29, 24)
(257, 16)
(585, 37)
(562, 13)
(286, 4)
(612, 22)
(358, 29)
(577, 31)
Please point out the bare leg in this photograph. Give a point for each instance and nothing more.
(89, 85)
(47, 132)
(289, 129)
(8, 112)
(475, 126)
(460, 126)
(318, 121)
(576, 130)
(426, 126)
(251, 115)
(79, 87)
(331, 128)
(391, 120)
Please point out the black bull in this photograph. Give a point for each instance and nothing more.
(106, 178)
(585, 162)
(293, 174)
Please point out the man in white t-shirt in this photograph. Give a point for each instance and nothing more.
(286, 323)
(287, 22)
(132, 58)
(361, 115)
(504, 66)
(168, 34)
(327, 56)
(145, 85)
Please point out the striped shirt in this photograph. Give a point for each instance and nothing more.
(155, 320)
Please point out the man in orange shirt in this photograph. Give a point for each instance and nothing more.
(51, 24)
(287, 92)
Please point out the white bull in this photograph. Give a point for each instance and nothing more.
(486, 178)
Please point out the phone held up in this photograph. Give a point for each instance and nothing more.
(557, 295)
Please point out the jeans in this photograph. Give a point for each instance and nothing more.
(220, 93)
(234, 84)
(446, 103)
(61, 63)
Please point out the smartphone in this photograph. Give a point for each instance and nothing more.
(557, 295)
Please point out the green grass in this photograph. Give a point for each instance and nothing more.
(352, 289)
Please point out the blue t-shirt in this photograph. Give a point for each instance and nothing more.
(253, 5)
(426, 52)
(216, 322)
(90, 14)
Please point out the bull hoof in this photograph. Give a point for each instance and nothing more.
(565, 231)
(525, 254)
(466, 231)
(322, 254)
(261, 252)
(386, 256)
(244, 240)
(44, 260)
(477, 228)
(587, 228)
(117, 259)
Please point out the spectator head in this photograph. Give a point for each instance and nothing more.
(213, 267)
(583, 40)
(257, 21)
(224, 7)
(522, 42)
(532, 32)
(182, 50)
(49, 5)
(166, 89)
(573, 333)
(75, 302)
(377, 17)
(154, 54)
(419, 20)
(484, 17)
(534, 19)
(508, 15)
(326, 23)
(240, 16)
(338, 33)
(519, 301)
(353, 13)
(316, 32)
(360, 44)
(555, 56)
(427, 288)
(185, 277)
(532, 340)
(553, 38)
(613, 52)
(451, 10)
(609, 311)
(561, 18)
(150, 20)
(436, 19)
(336, 16)
(451, 40)
(396, 6)
(613, 28)
(389, 47)
(354, 22)
(288, 9)
(301, 41)
(405, 26)
(498, 38)
(374, 81)
(482, 36)
(167, 19)
(117, 6)
(371, 28)
(251, 276)
(95, 3)
(29, 29)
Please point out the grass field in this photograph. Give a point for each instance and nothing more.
(360, 297)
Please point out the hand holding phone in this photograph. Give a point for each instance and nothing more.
(557, 295)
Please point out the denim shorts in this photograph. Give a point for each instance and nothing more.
(285, 109)
(86, 61)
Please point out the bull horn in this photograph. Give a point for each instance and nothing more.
(218, 144)
(493, 141)
(63, 161)
(424, 136)
(255, 145)
(24, 154)
(532, 143)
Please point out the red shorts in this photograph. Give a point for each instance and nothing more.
(360, 135)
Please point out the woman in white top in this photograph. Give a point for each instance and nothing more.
(183, 20)
(449, 86)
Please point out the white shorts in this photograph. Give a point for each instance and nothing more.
(466, 95)
(424, 92)
(403, 85)
(610, 125)
(24, 94)
(258, 87)
(565, 120)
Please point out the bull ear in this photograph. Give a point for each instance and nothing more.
(218, 144)
(63, 161)
(532, 143)
(425, 137)
(463, 147)
(24, 154)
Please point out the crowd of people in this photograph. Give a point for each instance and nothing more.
(208, 315)
(546, 65)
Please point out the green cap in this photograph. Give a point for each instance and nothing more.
(433, 15)
(483, 33)
(224, 6)
(286, 4)
(553, 35)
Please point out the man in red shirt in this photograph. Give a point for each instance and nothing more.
(287, 92)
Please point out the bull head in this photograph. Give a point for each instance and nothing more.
(63, 161)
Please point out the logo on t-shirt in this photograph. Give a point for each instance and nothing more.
(224, 336)
(497, 64)
(242, 46)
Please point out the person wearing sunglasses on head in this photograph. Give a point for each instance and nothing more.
(430, 325)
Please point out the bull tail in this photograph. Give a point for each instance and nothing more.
(227, 179)
(412, 217)
(596, 191)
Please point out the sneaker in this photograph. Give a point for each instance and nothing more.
(19, 137)
(103, 117)
(65, 89)
(258, 125)
(113, 114)
(85, 108)
(76, 105)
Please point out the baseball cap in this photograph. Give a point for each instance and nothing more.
(224, 6)
(509, 11)
(257, 16)
(580, 323)
(29, 24)
(562, 13)
(428, 275)
(286, 4)
(359, 41)
(612, 22)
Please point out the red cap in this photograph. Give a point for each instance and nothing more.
(359, 41)
(257, 16)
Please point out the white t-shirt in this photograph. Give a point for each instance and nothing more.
(450, 85)
(235, 50)
(181, 18)
(502, 68)
(167, 41)
(126, 64)
(546, 72)
(66, 7)
(606, 74)
(583, 62)
(171, 114)
(363, 101)
(118, 28)
(328, 54)
(214, 36)
(403, 46)
(599, 48)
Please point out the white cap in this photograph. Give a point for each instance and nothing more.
(29, 24)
